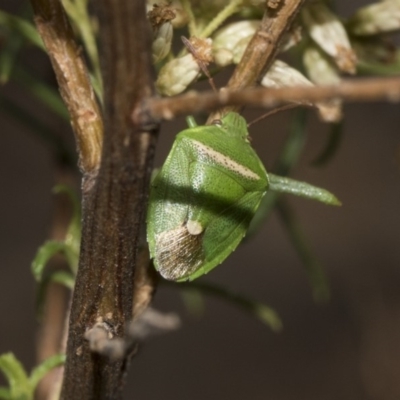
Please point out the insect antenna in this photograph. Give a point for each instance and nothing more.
(200, 61)
(274, 111)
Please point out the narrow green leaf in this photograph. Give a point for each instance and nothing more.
(286, 185)
(48, 95)
(16, 376)
(334, 141)
(43, 255)
(8, 55)
(261, 311)
(64, 278)
(21, 26)
(381, 69)
(61, 152)
(5, 394)
(194, 301)
(290, 154)
(294, 143)
(73, 235)
(44, 367)
(312, 266)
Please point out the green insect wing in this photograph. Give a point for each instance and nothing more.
(203, 198)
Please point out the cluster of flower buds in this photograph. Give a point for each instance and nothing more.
(330, 46)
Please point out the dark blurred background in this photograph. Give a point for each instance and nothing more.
(348, 348)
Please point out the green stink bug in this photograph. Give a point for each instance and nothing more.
(203, 198)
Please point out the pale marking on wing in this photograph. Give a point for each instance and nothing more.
(225, 161)
(194, 227)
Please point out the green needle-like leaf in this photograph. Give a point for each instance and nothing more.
(293, 147)
(8, 55)
(73, 235)
(5, 394)
(43, 255)
(16, 376)
(286, 185)
(21, 26)
(314, 270)
(58, 147)
(48, 95)
(42, 369)
(334, 141)
(261, 311)
(64, 278)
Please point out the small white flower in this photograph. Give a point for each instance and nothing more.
(177, 75)
(328, 32)
(322, 71)
(162, 42)
(282, 75)
(319, 68)
(230, 41)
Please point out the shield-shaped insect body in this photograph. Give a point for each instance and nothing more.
(203, 198)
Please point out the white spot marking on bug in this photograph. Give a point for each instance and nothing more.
(194, 227)
(225, 161)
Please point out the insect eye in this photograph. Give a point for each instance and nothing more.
(217, 122)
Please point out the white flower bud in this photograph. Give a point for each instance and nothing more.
(162, 42)
(160, 17)
(322, 71)
(223, 57)
(175, 76)
(238, 51)
(329, 33)
(282, 75)
(375, 18)
(181, 17)
(227, 39)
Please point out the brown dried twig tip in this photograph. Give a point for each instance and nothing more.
(200, 49)
(159, 14)
(73, 80)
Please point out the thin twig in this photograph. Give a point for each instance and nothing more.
(262, 49)
(73, 80)
(361, 90)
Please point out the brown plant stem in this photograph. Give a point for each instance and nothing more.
(360, 90)
(113, 203)
(73, 80)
